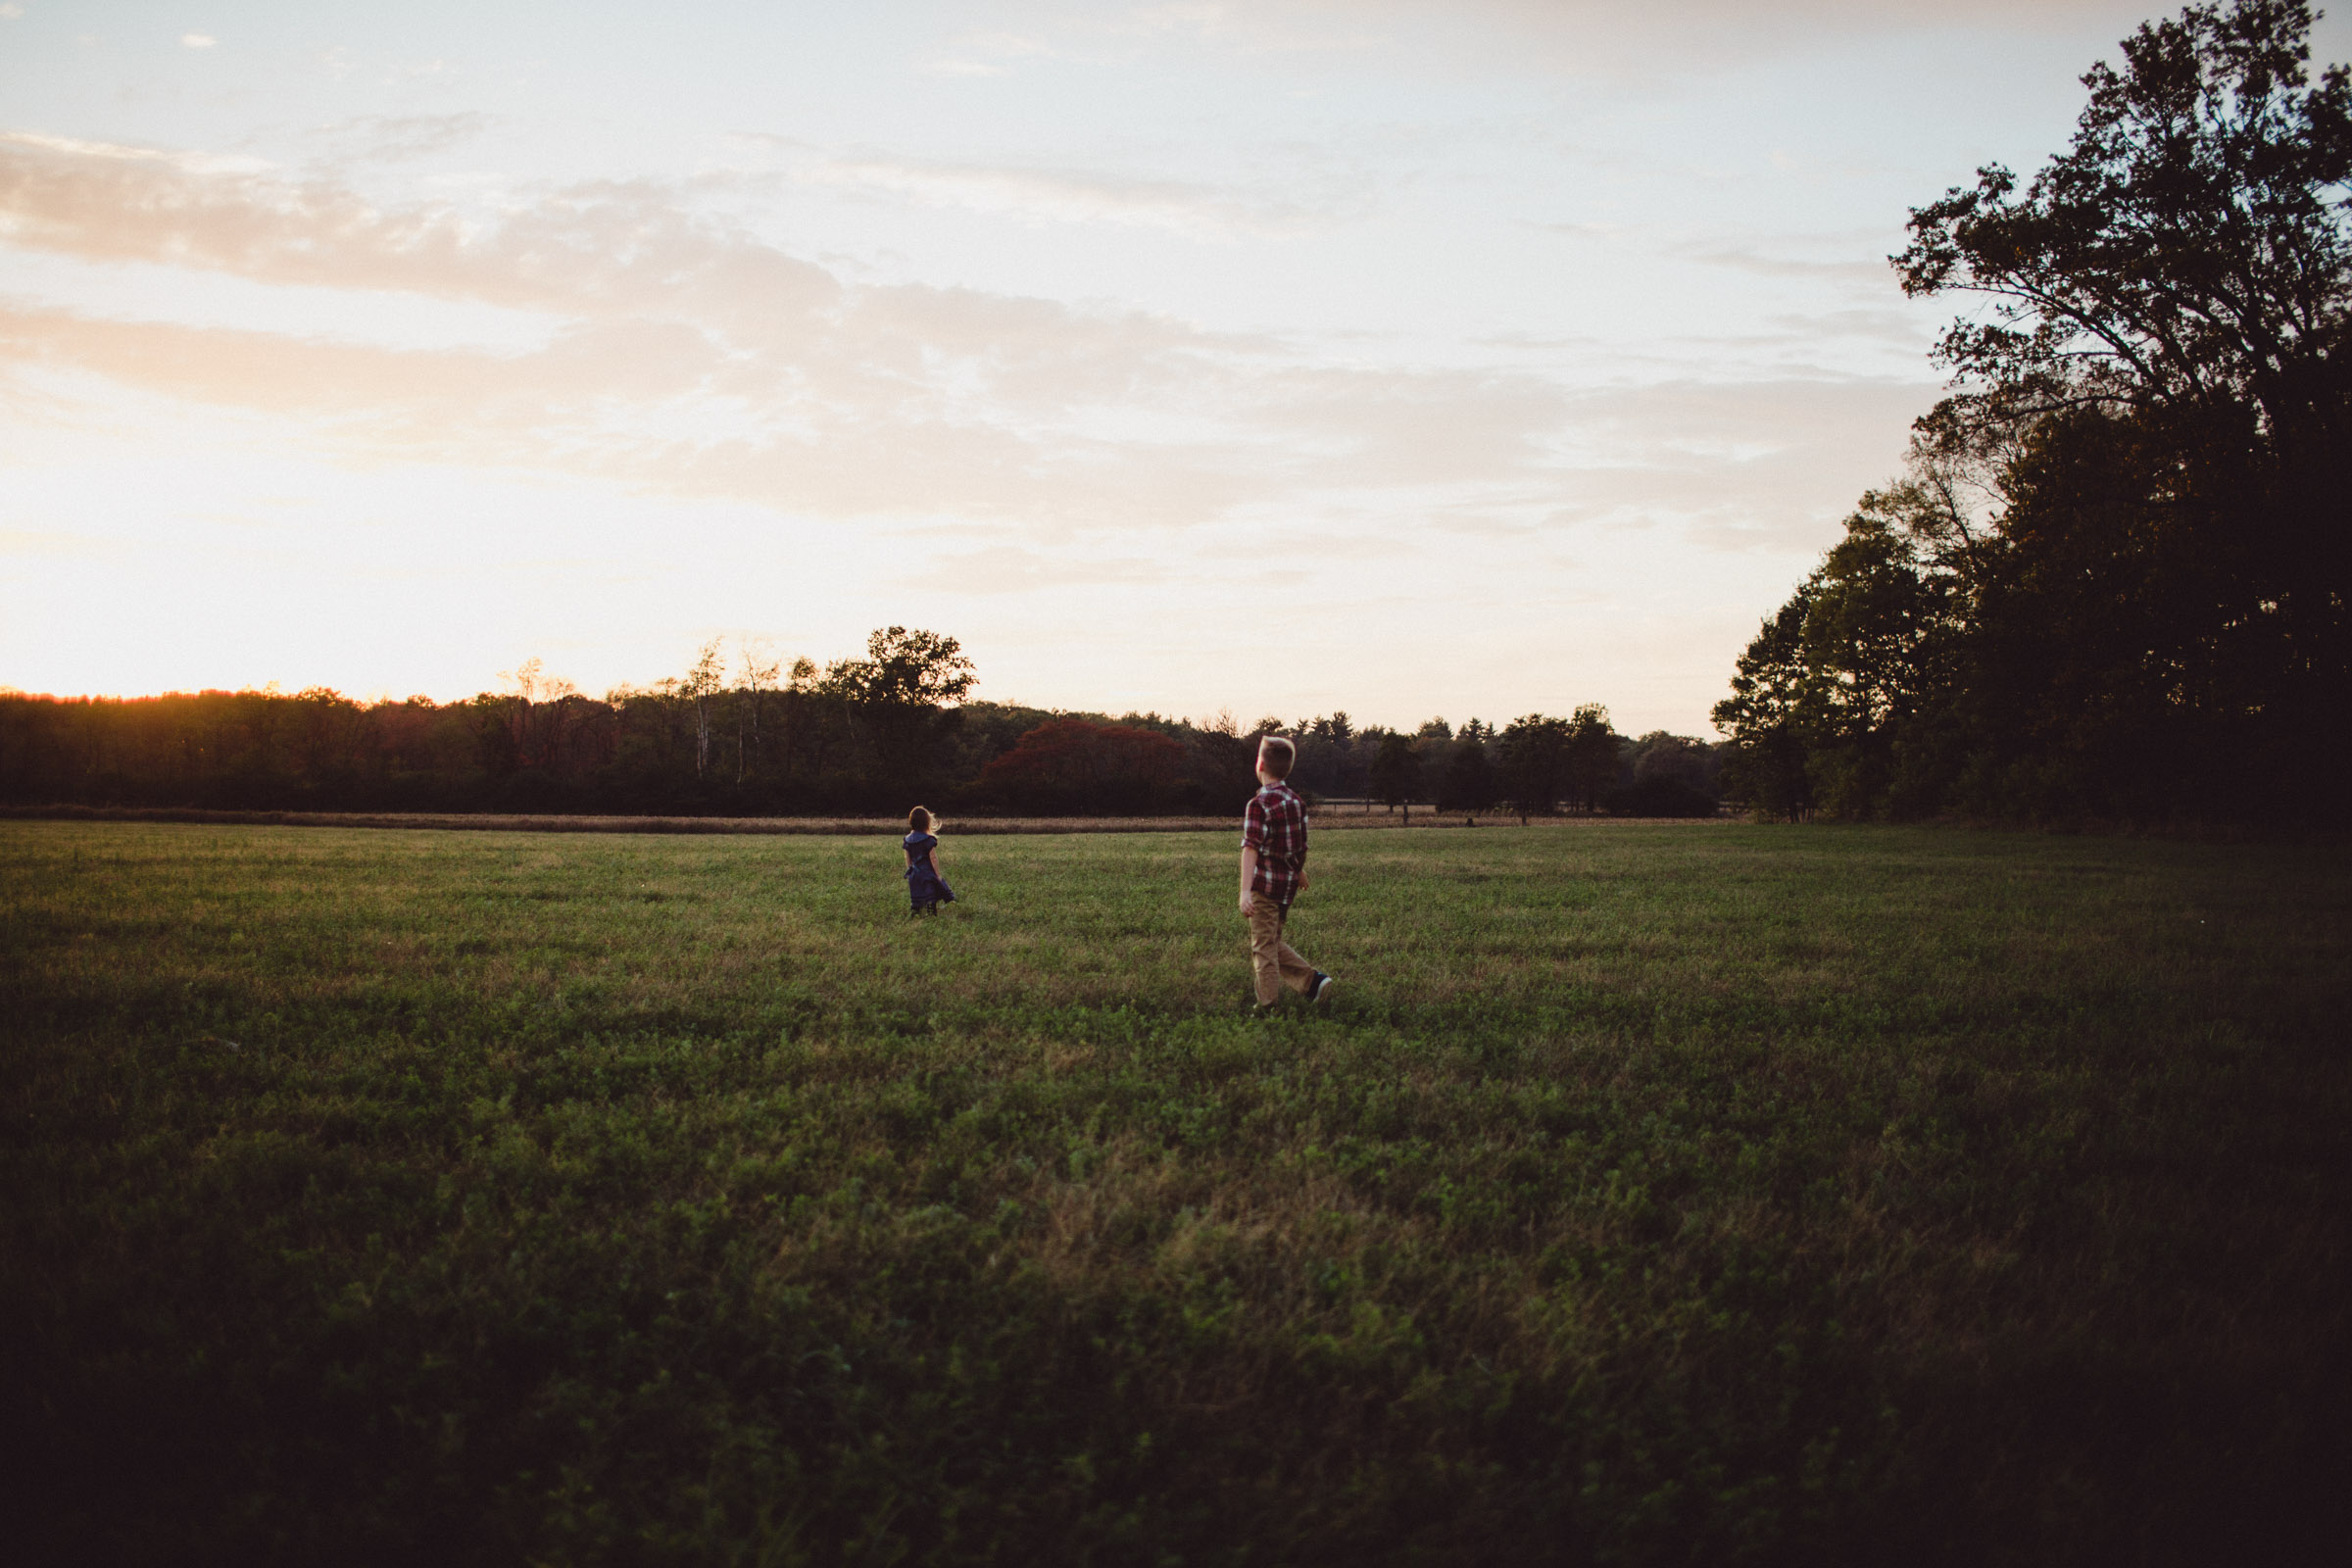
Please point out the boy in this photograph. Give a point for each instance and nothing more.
(1274, 872)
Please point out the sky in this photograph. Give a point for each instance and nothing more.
(1468, 358)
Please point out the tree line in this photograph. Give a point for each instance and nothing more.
(2115, 580)
(748, 734)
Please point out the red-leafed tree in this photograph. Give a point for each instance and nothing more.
(1078, 766)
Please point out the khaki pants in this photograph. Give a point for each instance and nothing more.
(1272, 963)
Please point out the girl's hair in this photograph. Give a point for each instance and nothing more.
(918, 820)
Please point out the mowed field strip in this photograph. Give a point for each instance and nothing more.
(1649, 1194)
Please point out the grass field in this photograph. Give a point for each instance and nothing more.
(1650, 1194)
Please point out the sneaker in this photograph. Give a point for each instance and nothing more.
(1321, 990)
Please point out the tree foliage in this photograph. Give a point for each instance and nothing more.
(905, 669)
(901, 694)
(1590, 762)
(2114, 579)
(1470, 782)
(2188, 252)
(1395, 771)
(760, 735)
(1534, 763)
(1079, 768)
(1667, 775)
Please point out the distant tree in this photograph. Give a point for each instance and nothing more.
(1433, 752)
(329, 731)
(1223, 758)
(540, 713)
(1321, 757)
(1684, 758)
(898, 692)
(1534, 764)
(1350, 766)
(760, 669)
(1470, 783)
(1665, 776)
(1590, 763)
(808, 725)
(1395, 773)
(1079, 767)
(1766, 772)
(497, 735)
(905, 668)
(699, 689)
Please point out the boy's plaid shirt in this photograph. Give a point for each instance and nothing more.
(1275, 825)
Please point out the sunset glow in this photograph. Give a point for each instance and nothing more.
(1410, 359)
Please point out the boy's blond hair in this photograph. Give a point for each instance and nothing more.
(1276, 755)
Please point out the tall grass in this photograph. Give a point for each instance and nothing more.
(1652, 1194)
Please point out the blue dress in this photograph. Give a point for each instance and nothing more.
(926, 889)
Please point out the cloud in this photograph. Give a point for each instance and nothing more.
(191, 162)
(387, 138)
(585, 249)
(1739, 466)
(1010, 569)
(984, 54)
(1875, 275)
(1197, 212)
(197, 40)
(1906, 331)
(694, 359)
(1814, 17)
(1575, 37)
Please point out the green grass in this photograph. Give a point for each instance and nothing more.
(1650, 1194)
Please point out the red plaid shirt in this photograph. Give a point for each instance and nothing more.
(1275, 826)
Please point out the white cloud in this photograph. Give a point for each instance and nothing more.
(983, 54)
(1577, 39)
(999, 455)
(197, 40)
(691, 356)
(193, 162)
(1875, 275)
(1068, 196)
(384, 139)
(10, 13)
(1012, 568)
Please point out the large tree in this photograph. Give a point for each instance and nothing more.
(2116, 580)
(900, 693)
(1395, 773)
(1591, 754)
(1469, 783)
(2188, 252)
(1534, 763)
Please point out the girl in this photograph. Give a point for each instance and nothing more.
(926, 889)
